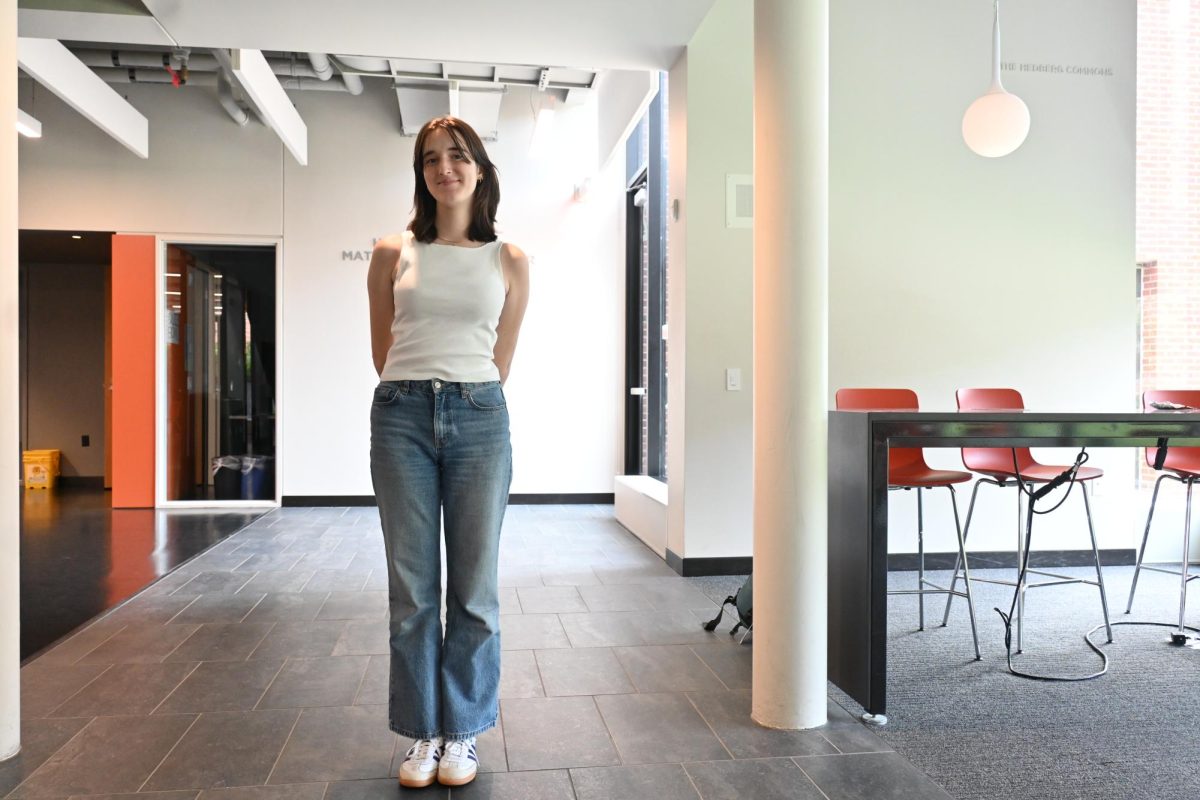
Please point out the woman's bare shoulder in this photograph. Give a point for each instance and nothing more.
(394, 243)
(511, 255)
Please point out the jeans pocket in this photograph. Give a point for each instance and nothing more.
(487, 398)
(384, 394)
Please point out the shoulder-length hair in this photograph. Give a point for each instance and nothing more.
(484, 202)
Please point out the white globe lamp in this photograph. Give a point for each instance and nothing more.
(997, 123)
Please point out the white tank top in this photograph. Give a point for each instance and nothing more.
(448, 302)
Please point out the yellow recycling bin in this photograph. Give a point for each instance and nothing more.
(41, 468)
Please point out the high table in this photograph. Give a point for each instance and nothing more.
(858, 506)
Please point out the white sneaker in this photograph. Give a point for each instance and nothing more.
(459, 763)
(420, 767)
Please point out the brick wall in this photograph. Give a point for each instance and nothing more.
(1168, 190)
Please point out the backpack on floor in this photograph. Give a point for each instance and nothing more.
(743, 601)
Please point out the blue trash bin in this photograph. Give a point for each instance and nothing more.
(254, 473)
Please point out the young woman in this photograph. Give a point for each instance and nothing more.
(446, 300)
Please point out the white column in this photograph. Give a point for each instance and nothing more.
(10, 571)
(791, 265)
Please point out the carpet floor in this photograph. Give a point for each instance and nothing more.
(984, 734)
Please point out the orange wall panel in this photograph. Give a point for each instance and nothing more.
(133, 309)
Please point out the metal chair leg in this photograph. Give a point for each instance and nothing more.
(1087, 507)
(1186, 560)
(962, 556)
(920, 562)
(1021, 579)
(959, 559)
(1145, 538)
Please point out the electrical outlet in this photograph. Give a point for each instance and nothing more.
(87, 440)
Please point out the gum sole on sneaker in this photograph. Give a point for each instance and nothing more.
(418, 783)
(447, 781)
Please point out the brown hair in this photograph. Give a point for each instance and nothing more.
(484, 202)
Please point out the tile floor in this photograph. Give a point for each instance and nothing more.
(258, 670)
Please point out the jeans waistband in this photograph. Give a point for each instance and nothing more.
(439, 386)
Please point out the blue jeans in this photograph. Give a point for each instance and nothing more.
(442, 449)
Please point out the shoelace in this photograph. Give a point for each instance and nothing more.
(423, 750)
(459, 750)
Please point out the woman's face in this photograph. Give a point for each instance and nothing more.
(449, 172)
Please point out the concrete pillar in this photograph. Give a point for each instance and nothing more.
(10, 515)
(791, 313)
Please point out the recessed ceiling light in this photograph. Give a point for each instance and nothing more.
(76, 236)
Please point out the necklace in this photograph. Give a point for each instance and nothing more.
(460, 243)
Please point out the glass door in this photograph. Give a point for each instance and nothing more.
(219, 336)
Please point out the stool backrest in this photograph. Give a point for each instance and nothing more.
(884, 400)
(992, 459)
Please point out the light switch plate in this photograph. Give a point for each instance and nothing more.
(733, 379)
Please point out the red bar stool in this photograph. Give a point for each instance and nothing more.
(1181, 464)
(907, 470)
(996, 464)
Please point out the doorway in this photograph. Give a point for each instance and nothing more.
(218, 349)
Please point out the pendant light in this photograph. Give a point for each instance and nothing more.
(998, 122)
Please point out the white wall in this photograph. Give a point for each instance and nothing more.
(950, 270)
(206, 176)
(710, 291)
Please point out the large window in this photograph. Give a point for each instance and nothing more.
(646, 293)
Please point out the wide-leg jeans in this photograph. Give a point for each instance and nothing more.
(441, 449)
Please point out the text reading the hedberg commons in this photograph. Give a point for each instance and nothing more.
(1059, 69)
(359, 255)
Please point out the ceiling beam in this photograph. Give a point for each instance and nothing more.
(251, 69)
(54, 66)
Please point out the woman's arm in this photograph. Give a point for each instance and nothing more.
(380, 277)
(516, 298)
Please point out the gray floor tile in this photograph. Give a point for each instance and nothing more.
(490, 747)
(646, 782)
(374, 689)
(554, 733)
(335, 580)
(40, 738)
(732, 665)
(222, 686)
(658, 728)
(381, 790)
(849, 735)
(277, 582)
(590, 670)
(299, 640)
(574, 576)
(303, 791)
(308, 682)
(531, 632)
(519, 675)
(212, 583)
(615, 598)
(225, 749)
(218, 608)
(520, 576)
(510, 603)
(125, 689)
(140, 644)
(221, 641)
(728, 713)
(602, 629)
(762, 779)
(337, 744)
(546, 785)
(187, 794)
(676, 626)
(44, 686)
(269, 562)
(354, 605)
(82, 642)
(109, 756)
(667, 668)
(150, 610)
(866, 776)
(671, 593)
(550, 600)
(288, 607)
(364, 639)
